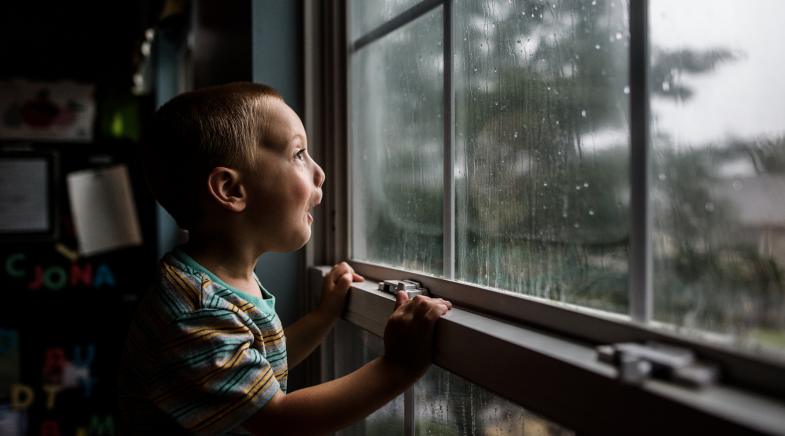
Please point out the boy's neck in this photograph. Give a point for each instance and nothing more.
(233, 261)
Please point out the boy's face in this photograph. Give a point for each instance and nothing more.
(285, 183)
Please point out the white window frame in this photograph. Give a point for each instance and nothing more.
(543, 352)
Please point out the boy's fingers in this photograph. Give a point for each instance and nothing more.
(340, 269)
(430, 317)
(436, 312)
(344, 281)
(401, 298)
(357, 277)
(443, 301)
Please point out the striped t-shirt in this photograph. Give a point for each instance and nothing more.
(201, 356)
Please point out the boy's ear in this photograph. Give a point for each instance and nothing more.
(225, 187)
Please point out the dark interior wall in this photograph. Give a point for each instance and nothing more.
(221, 42)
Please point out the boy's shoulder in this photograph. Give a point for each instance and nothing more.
(184, 289)
(181, 291)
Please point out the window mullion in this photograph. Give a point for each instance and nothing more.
(640, 283)
(409, 428)
(448, 207)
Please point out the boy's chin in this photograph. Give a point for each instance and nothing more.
(298, 242)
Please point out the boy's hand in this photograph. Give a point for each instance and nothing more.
(408, 336)
(336, 286)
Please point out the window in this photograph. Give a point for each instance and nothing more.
(510, 168)
(576, 173)
(718, 147)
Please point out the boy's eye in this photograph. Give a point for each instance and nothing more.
(300, 154)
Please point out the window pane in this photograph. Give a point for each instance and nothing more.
(446, 404)
(397, 136)
(354, 348)
(718, 141)
(367, 15)
(542, 148)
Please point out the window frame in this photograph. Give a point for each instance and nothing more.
(749, 383)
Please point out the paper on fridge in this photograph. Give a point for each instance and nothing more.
(102, 206)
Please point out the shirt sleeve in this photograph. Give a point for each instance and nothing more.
(212, 378)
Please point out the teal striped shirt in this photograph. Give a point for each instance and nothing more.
(201, 357)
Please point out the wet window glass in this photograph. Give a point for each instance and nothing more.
(542, 148)
(447, 405)
(541, 156)
(397, 144)
(366, 15)
(718, 147)
(355, 348)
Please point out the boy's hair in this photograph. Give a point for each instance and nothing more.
(198, 131)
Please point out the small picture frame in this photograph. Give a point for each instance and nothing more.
(47, 111)
(29, 209)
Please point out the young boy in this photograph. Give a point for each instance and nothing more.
(207, 353)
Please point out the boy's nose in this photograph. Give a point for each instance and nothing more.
(319, 176)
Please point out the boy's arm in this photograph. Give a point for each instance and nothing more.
(308, 332)
(333, 405)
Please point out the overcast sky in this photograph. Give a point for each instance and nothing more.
(744, 98)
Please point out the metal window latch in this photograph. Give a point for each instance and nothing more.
(637, 362)
(411, 287)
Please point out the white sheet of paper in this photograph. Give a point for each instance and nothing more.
(102, 206)
(24, 195)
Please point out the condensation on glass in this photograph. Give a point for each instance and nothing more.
(449, 405)
(542, 148)
(396, 146)
(718, 146)
(355, 348)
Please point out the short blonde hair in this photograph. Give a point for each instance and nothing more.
(198, 131)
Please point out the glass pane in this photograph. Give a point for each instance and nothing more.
(397, 136)
(542, 148)
(446, 404)
(367, 15)
(356, 347)
(718, 141)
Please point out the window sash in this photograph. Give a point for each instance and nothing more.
(742, 372)
(640, 288)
